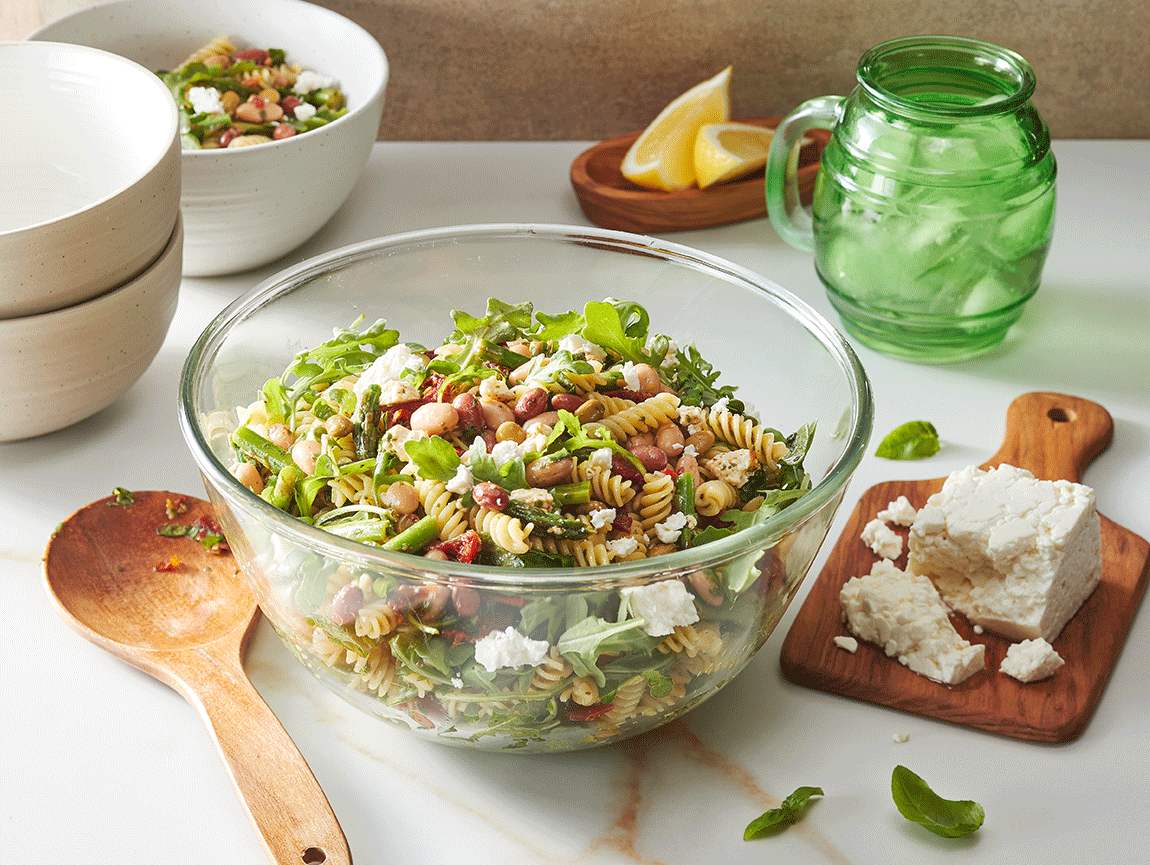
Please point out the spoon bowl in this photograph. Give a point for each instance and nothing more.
(140, 576)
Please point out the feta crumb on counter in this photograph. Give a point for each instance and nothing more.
(903, 613)
(1012, 553)
(1031, 661)
(663, 606)
(622, 547)
(602, 517)
(900, 738)
(900, 512)
(309, 80)
(205, 100)
(882, 541)
(978, 629)
(850, 644)
(670, 529)
(304, 111)
(462, 483)
(509, 648)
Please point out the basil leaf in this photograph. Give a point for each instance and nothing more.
(913, 440)
(435, 457)
(584, 642)
(605, 326)
(918, 803)
(558, 326)
(776, 819)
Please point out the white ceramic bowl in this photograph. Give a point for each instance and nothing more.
(62, 366)
(248, 206)
(89, 174)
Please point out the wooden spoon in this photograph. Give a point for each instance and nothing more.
(188, 627)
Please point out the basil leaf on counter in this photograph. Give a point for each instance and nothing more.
(913, 440)
(949, 818)
(777, 819)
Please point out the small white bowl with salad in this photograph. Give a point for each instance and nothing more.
(279, 104)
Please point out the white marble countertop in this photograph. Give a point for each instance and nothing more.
(100, 764)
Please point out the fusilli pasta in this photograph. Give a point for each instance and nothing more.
(506, 532)
(656, 499)
(645, 416)
(714, 497)
(734, 429)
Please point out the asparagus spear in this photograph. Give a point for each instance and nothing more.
(578, 493)
(685, 500)
(416, 537)
(280, 493)
(367, 423)
(570, 529)
(254, 446)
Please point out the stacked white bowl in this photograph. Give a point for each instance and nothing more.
(90, 234)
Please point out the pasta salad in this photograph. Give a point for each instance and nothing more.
(524, 440)
(238, 98)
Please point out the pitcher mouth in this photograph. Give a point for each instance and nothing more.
(951, 76)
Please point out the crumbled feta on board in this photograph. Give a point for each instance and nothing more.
(900, 512)
(849, 644)
(1014, 554)
(902, 613)
(881, 540)
(1031, 661)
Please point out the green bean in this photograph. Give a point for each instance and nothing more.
(578, 493)
(415, 538)
(254, 446)
(685, 501)
(367, 423)
(569, 529)
(280, 493)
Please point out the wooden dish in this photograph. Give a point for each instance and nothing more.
(1055, 436)
(610, 200)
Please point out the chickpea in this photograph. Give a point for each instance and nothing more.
(640, 440)
(690, 466)
(434, 418)
(401, 497)
(437, 555)
(495, 413)
(548, 418)
(704, 587)
(589, 411)
(249, 476)
(304, 453)
(649, 381)
(548, 473)
(338, 426)
(703, 440)
(280, 436)
(246, 140)
(230, 100)
(270, 95)
(510, 431)
(669, 439)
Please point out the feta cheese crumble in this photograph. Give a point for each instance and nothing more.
(631, 376)
(397, 437)
(670, 529)
(690, 451)
(462, 483)
(693, 417)
(882, 541)
(509, 648)
(662, 606)
(900, 512)
(1014, 554)
(533, 498)
(576, 344)
(205, 100)
(495, 388)
(396, 391)
(734, 467)
(622, 547)
(902, 613)
(723, 403)
(850, 644)
(1031, 661)
(602, 517)
(389, 366)
(504, 452)
(601, 459)
(304, 111)
(309, 80)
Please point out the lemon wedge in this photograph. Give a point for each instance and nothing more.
(724, 151)
(663, 156)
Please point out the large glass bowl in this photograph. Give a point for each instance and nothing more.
(791, 365)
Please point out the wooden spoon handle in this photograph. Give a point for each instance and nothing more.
(1054, 435)
(288, 807)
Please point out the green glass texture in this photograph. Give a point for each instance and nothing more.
(934, 205)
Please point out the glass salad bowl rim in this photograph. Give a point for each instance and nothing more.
(752, 540)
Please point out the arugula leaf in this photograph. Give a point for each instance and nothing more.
(435, 457)
(276, 55)
(556, 327)
(605, 326)
(694, 379)
(583, 643)
(913, 440)
(276, 399)
(776, 819)
(560, 365)
(949, 818)
(502, 323)
(601, 438)
(512, 475)
(549, 616)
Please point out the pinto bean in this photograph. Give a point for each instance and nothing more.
(490, 496)
(649, 381)
(590, 411)
(531, 403)
(465, 600)
(470, 414)
(548, 473)
(495, 413)
(434, 418)
(346, 604)
(669, 439)
(567, 401)
(548, 418)
(651, 457)
(639, 440)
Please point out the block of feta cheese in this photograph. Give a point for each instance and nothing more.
(881, 540)
(902, 613)
(1014, 554)
(1031, 661)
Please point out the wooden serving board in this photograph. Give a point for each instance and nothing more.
(610, 200)
(1054, 436)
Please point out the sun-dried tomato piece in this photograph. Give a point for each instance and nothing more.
(633, 395)
(623, 521)
(461, 549)
(588, 713)
(172, 564)
(624, 469)
(456, 636)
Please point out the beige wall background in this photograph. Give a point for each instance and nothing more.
(558, 69)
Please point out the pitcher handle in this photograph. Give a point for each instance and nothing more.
(788, 216)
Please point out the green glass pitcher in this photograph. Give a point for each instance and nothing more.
(934, 203)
